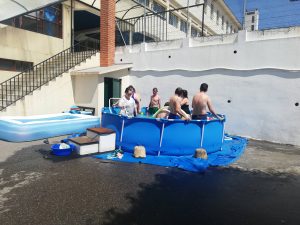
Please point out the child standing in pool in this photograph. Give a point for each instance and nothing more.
(154, 104)
(136, 98)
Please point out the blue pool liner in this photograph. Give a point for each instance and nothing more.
(232, 149)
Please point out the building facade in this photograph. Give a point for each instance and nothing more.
(251, 20)
(54, 28)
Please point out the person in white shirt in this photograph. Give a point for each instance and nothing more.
(127, 104)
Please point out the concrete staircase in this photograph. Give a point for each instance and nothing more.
(27, 82)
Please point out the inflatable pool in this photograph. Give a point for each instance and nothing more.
(19, 129)
(163, 136)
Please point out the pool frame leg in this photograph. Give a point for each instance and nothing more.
(121, 136)
(202, 134)
(161, 138)
(223, 135)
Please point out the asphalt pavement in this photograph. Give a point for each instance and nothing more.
(37, 188)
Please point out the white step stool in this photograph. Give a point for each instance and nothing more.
(105, 137)
(85, 145)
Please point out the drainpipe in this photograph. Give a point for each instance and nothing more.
(188, 33)
(144, 27)
(72, 23)
(202, 28)
(244, 17)
(167, 19)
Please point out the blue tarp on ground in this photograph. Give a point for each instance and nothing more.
(232, 149)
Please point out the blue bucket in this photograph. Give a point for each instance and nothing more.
(62, 152)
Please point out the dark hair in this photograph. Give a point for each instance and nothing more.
(178, 91)
(128, 89)
(155, 89)
(167, 104)
(204, 87)
(132, 88)
(184, 93)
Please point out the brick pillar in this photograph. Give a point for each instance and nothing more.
(107, 32)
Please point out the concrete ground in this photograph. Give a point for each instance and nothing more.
(262, 187)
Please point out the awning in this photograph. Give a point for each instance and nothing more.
(124, 8)
(13, 8)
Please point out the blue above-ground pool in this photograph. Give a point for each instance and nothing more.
(19, 129)
(164, 136)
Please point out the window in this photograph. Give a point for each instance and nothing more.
(205, 6)
(253, 19)
(252, 27)
(14, 65)
(211, 11)
(46, 21)
(218, 17)
(194, 32)
(227, 27)
(223, 22)
(144, 2)
(173, 20)
(183, 26)
(231, 29)
(158, 8)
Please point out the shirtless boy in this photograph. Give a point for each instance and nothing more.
(154, 104)
(201, 102)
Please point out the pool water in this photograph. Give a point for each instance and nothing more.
(66, 117)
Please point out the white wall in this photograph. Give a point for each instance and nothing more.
(5, 75)
(262, 101)
(28, 46)
(280, 53)
(23, 45)
(262, 80)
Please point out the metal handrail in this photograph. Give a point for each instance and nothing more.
(109, 103)
(40, 74)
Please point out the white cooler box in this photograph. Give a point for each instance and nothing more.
(105, 137)
(85, 145)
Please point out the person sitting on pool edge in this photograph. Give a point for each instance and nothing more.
(127, 104)
(201, 101)
(154, 104)
(163, 113)
(175, 106)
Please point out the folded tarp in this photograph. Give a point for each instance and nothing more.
(232, 149)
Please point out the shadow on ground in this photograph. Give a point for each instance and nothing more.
(217, 197)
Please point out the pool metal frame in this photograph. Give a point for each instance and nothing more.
(121, 123)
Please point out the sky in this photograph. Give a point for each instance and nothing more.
(272, 13)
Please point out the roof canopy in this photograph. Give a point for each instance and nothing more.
(13, 8)
(124, 8)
